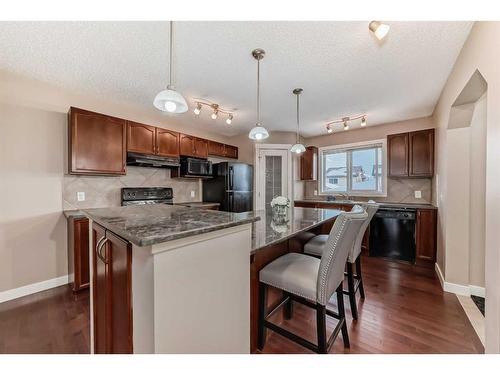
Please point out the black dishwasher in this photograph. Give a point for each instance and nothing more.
(392, 234)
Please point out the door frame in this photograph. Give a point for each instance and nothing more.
(290, 177)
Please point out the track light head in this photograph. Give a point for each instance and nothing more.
(197, 110)
(363, 121)
(229, 119)
(379, 29)
(329, 129)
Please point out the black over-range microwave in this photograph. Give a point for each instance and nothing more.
(192, 167)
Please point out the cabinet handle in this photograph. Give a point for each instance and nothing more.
(99, 248)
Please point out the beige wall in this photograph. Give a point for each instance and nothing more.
(33, 130)
(479, 52)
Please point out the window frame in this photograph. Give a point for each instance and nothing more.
(350, 147)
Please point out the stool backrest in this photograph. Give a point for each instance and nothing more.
(370, 207)
(340, 242)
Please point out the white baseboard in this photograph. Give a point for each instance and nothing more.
(463, 290)
(11, 294)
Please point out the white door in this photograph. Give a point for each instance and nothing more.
(273, 174)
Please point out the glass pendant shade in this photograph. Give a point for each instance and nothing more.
(298, 148)
(171, 101)
(258, 133)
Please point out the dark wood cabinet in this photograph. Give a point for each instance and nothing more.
(309, 164)
(411, 154)
(426, 236)
(397, 155)
(141, 138)
(78, 253)
(97, 143)
(186, 144)
(200, 148)
(222, 150)
(112, 292)
(167, 142)
(421, 153)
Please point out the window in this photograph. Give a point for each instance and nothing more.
(356, 169)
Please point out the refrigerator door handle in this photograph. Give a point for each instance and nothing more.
(231, 172)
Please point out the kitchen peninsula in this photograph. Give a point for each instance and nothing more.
(163, 273)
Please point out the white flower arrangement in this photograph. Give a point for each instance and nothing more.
(280, 201)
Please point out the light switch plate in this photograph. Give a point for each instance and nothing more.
(193, 193)
(315, 192)
(418, 194)
(80, 196)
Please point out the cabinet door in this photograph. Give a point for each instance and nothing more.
(426, 236)
(141, 138)
(119, 257)
(167, 142)
(186, 145)
(97, 143)
(79, 244)
(216, 148)
(231, 151)
(308, 163)
(421, 153)
(201, 148)
(397, 155)
(306, 204)
(101, 292)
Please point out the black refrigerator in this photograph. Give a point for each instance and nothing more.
(231, 186)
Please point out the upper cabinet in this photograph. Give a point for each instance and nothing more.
(411, 154)
(97, 143)
(421, 153)
(222, 150)
(150, 140)
(186, 143)
(309, 163)
(200, 148)
(167, 142)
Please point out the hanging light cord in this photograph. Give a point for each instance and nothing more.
(298, 118)
(170, 66)
(258, 92)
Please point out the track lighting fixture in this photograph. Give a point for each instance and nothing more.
(216, 110)
(379, 29)
(345, 121)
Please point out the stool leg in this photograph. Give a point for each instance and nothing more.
(340, 303)
(321, 328)
(360, 277)
(262, 315)
(352, 291)
(288, 311)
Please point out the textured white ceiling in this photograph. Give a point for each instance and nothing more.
(342, 68)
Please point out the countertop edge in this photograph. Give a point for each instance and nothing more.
(387, 204)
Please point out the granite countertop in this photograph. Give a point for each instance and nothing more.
(146, 225)
(197, 204)
(265, 232)
(382, 204)
(74, 214)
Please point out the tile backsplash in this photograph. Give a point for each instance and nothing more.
(399, 190)
(105, 191)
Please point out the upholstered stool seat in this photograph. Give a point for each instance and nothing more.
(294, 273)
(316, 245)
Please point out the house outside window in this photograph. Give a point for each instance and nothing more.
(354, 169)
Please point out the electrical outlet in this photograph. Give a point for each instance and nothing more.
(315, 192)
(193, 193)
(80, 196)
(418, 194)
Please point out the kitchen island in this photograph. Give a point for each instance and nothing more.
(169, 279)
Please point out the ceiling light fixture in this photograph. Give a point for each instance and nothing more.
(216, 110)
(345, 121)
(170, 100)
(258, 132)
(298, 147)
(197, 110)
(379, 29)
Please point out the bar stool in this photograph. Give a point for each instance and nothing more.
(312, 282)
(315, 247)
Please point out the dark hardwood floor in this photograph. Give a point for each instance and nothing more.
(405, 311)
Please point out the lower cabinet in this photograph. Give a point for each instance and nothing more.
(78, 253)
(426, 237)
(112, 292)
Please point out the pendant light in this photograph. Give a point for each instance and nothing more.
(170, 100)
(258, 132)
(298, 147)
